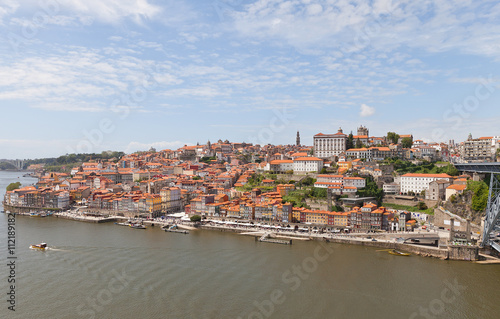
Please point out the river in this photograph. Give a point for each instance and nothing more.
(110, 271)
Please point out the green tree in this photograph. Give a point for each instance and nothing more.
(336, 208)
(371, 190)
(13, 186)
(308, 181)
(195, 218)
(358, 143)
(319, 192)
(406, 142)
(350, 141)
(323, 171)
(422, 206)
(451, 170)
(392, 137)
(480, 193)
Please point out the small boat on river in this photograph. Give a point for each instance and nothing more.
(398, 253)
(41, 246)
(175, 229)
(138, 226)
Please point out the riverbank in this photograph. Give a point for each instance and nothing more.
(466, 253)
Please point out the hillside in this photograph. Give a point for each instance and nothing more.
(471, 204)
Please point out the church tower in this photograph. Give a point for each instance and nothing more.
(297, 141)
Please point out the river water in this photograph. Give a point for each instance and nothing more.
(110, 271)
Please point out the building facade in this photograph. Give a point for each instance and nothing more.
(328, 145)
(416, 183)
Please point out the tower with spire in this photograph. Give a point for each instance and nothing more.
(297, 141)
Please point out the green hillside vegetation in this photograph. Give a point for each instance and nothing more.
(371, 190)
(73, 159)
(480, 193)
(404, 167)
(13, 186)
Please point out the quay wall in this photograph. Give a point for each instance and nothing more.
(467, 253)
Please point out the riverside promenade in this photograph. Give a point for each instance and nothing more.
(383, 240)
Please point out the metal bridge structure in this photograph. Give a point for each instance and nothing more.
(492, 218)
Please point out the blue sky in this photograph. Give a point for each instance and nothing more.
(94, 75)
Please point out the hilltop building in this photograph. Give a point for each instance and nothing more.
(328, 145)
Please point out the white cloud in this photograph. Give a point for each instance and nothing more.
(350, 26)
(366, 110)
(7, 7)
(110, 11)
(77, 79)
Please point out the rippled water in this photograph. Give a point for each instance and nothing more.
(110, 271)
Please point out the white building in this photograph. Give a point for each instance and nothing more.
(357, 182)
(63, 200)
(327, 178)
(340, 182)
(279, 166)
(418, 182)
(454, 189)
(391, 188)
(307, 164)
(328, 145)
(480, 149)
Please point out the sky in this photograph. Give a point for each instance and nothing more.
(86, 76)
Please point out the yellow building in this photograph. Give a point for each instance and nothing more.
(153, 204)
(341, 219)
(318, 217)
(345, 165)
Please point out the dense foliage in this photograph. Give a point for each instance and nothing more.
(196, 218)
(371, 190)
(480, 193)
(207, 159)
(350, 141)
(392, 137)
(13, 186)
(306, 181)
(403, 167)
(70, 159)
(406, 142)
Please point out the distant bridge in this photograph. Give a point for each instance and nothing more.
(492, 219)
(482, 168)
(19, 164)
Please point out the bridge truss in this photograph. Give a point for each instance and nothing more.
(492, 219)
